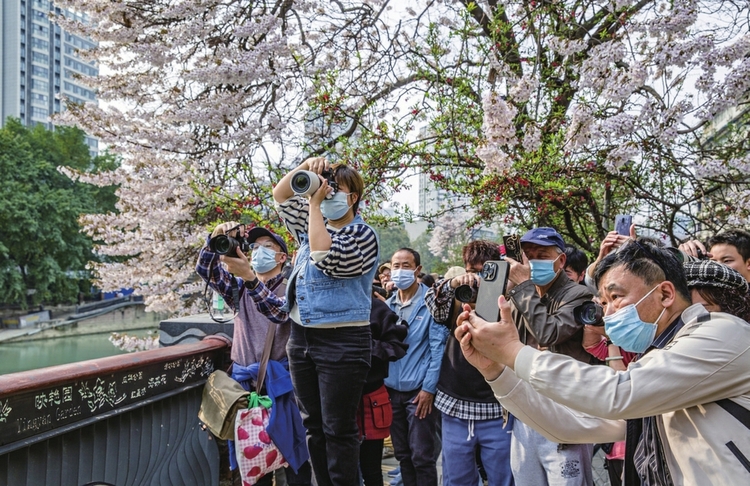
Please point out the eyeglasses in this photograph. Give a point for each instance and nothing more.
(267, 244)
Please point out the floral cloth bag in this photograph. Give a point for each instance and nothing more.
(257, 455)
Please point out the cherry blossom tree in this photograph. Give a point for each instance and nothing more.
(448, 237)
(540, 112)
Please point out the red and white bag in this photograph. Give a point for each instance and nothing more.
(257, 455)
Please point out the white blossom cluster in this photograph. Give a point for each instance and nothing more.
(125, 342)
(566, 47)
(498, 126)
(208, 100)
(523, 89)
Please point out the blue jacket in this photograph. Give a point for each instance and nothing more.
(322, 299)
(420, 368)
(285, 423)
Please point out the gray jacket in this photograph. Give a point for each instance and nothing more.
(708, 360)
(547, 321)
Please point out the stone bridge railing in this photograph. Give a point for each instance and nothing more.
(123, 420)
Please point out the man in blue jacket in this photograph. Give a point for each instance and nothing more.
(412, 381)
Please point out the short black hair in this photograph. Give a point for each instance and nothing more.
(415, 254)
(736, 238)
(649, 261)
(427, 279)
(575, 259)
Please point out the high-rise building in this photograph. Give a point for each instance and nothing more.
(39, 62)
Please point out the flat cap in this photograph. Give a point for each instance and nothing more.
(708, 273)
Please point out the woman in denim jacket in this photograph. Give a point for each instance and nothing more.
(328, 298)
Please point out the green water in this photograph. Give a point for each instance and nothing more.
(29, 355)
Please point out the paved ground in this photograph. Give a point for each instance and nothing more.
(600, 474)
(390, 463)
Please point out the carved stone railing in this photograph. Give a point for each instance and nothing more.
(123, 420)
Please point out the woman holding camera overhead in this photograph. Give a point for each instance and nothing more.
(328, 298)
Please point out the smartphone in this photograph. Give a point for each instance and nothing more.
(513, 247)
(622, 224)
(494, 279)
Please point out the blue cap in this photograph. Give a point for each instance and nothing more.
(257, 232)
(544, 236)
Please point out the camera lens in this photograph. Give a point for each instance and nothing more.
(300, 182)
(305, 183)
(488, 272)
(589, 314)
(223, 245)
(466, 294)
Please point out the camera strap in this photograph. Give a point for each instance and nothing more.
(207, 300)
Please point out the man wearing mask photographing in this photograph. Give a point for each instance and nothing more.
(681, 407)
(543, 299)
(230, 277)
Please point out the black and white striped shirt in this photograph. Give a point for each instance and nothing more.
(354, 248)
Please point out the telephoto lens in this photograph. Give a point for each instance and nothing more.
(305, 183)
(466, 294)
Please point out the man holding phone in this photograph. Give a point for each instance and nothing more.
(543, 299)
(465, 399)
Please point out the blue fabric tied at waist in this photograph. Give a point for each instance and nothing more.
(285, 423)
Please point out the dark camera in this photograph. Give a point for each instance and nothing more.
(305, 182)
(226, 245)
(380, 290)
(589, 314)
(468, 293)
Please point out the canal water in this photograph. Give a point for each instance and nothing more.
(29, 355)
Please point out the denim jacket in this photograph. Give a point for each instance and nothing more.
(323, 299)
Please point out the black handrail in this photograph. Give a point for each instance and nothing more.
(129, 413)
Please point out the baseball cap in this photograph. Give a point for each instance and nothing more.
(454, 272)
(707, 273)
(257, 232)
(383, 267)
(544, 236)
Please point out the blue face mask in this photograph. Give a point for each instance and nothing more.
(626, 329)
(263, 259)
(336, 207)
(543, 271)
(403, 278)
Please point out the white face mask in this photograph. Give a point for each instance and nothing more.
(543, 271)
(263, 259)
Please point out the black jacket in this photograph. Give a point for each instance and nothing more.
(388, 334)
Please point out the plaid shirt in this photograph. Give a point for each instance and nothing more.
(649, 459)
(465, 410)
(219, 279)
(439, 300)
